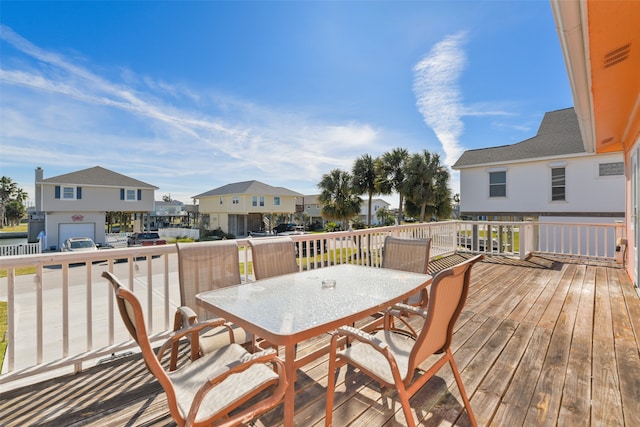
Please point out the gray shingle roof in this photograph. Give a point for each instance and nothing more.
(97, 176)
(256, 188)
(559, 134)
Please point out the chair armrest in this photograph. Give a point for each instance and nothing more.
(360, 335)
(185, 313)
(401, 308)
(192, 330)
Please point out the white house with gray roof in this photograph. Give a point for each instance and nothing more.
(548, 177)
(241, 207)
(75, 204)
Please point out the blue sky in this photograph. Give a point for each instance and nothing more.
(190, 96)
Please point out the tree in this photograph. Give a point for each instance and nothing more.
(424, 174)
(167, 198)
(390, 174)
(9, 191)
(337, 197)
(364, 179)
(384, 216)
(14, 212)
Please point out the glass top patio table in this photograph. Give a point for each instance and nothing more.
(293, 307)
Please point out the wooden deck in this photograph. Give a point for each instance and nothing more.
(541, 342)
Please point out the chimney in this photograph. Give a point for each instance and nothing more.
(39, 178)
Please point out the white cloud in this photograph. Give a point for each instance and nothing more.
(159, 132)
(438, 94)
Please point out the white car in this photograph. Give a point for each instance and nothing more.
(78, 244)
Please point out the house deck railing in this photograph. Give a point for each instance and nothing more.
(61, 313)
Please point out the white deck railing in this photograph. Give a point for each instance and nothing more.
(64, 316)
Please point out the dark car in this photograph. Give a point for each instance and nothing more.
(282, 228)
(145, 239)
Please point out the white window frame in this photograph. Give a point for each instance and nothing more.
(276, 200)
(555, 185)
(63, 192)
(235, 200)
(504, 184)
(131, 191)
(609, 176)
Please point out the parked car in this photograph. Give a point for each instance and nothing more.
(145, 239)
(282, 228)
(78, 244)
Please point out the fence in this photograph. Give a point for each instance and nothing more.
(20, 249)
(62, 315)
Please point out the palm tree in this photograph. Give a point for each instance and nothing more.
(390, 168)
(8, 189)
(440, 204)
(337, 197)
(419, 185)
(364, 179)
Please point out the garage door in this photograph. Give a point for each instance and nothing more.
(87, 229)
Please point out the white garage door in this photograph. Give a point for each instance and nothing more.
(87, 229)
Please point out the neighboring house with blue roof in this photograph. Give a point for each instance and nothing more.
(75, 204)
(549, 177)
(241, 207)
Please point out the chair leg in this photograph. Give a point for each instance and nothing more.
(463, 393)
(406, 407)
(331, 386)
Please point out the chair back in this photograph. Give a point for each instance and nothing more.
(133, 318)
(273, 256)
(406, 254)
(447, 296)
(205, 266)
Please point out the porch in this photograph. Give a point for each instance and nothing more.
(541, 341)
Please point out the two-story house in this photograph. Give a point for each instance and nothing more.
(171, 213)
(549, 177)
(242, 207)
(76, 204)
(312, 208)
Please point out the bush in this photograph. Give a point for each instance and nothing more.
(331, 227)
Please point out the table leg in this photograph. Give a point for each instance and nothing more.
(289, 397)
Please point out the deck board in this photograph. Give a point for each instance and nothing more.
(545, 341)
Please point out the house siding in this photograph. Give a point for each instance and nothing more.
(528, 191)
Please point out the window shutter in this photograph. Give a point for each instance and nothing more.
(57, 191)
(122, 194)
(78, 193)
(139, 194)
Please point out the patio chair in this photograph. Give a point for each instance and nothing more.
(213, 387)
(273, 256)
(392, 356)
(408, 255)
(205, 266)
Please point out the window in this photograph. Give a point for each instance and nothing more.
(254, 200)
(276, 201)
(235, 200)
(261, 200)
(220, 200)
(611, 169)
(68, 193)
(130, 194)
(498, 184)
(558, 189)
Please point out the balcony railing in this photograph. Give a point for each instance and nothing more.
(61, 314)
